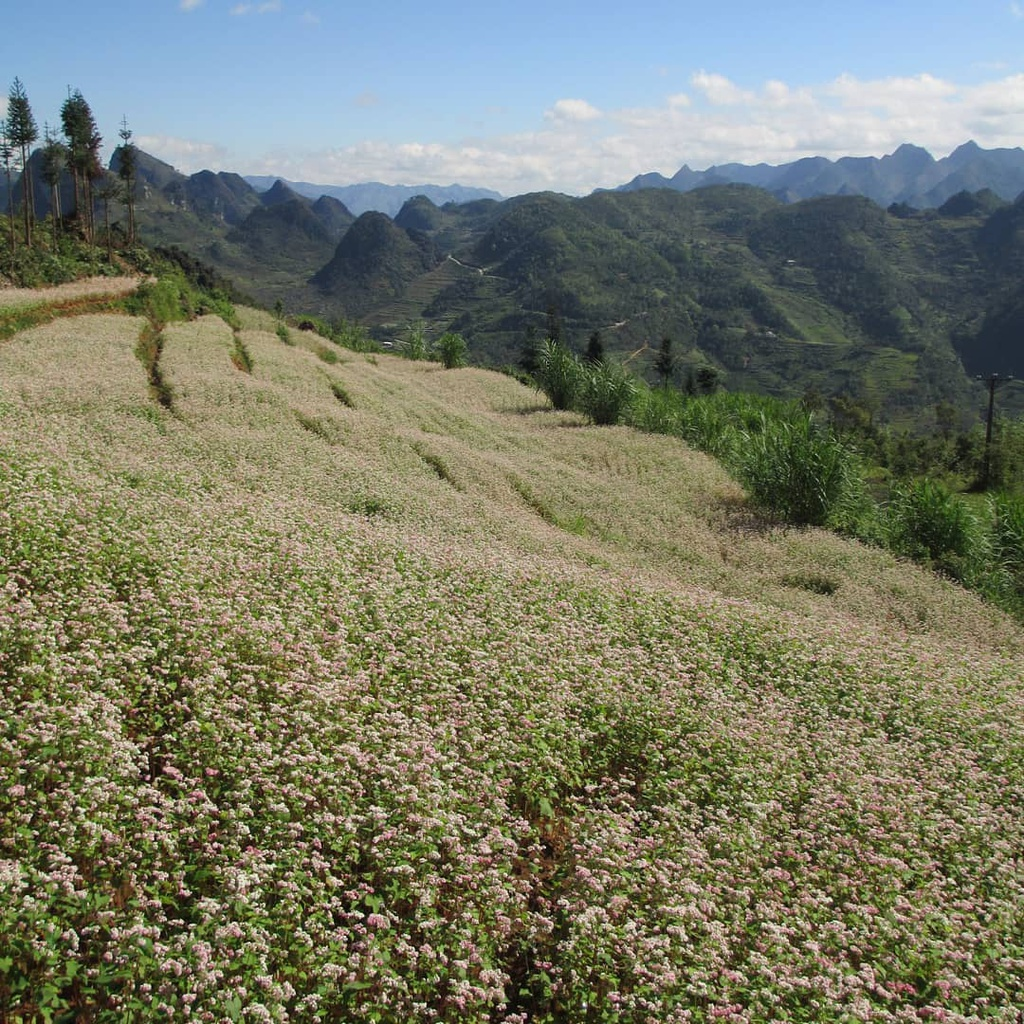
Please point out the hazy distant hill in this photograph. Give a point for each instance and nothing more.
(910, 175)
(375, 196)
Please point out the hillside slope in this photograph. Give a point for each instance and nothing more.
(898, 309)
(520, 719)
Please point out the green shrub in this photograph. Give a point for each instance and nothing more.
(284, 334)
(414, 344)
(352, 336)
(452, 348)
(928, 522)
(606, 392)
(799, 472)
(162, 301)
(35, 266)
(558, 374)
(217, 304)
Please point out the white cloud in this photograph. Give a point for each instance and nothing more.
(719, 90)
(890, 94)
(185, 155)
(573, 110)
(190, 5)
(1017, 10)
(309, 18)
(270, 7)
(576, 147)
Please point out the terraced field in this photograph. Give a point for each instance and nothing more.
(372, 691)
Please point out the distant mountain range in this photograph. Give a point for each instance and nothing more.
(372, 195)
(232, 196)
(910, 176)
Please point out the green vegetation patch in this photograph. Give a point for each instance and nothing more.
(21, 318)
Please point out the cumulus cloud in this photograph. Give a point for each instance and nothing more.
(719, 90)
(573, 110)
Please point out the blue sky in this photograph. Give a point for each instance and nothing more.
(528, 95)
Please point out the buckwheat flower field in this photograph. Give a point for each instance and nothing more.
(366, 690)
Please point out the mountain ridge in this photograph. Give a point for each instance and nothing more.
(910, 174)
(374, 195)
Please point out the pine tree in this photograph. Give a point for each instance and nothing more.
(707, 380)
(54, 160)
(8, 155)
(71, 123)
(595, 349)
(126, 171)
(665, 363)
(108, 190)
(531, 350)
(84, 142)
(554, 328)
(22, 132)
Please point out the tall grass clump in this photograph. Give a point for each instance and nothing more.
(342, 395)
(708, 425)
(800, 472)
(327, 354)
(655, 410)
(559, 374)
(929, 523)
(605, 392)
(1007, 555)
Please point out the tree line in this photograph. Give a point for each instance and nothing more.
(73, 150)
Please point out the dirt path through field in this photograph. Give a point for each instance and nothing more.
(87, 287)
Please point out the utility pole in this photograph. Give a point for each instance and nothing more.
(993, 379)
